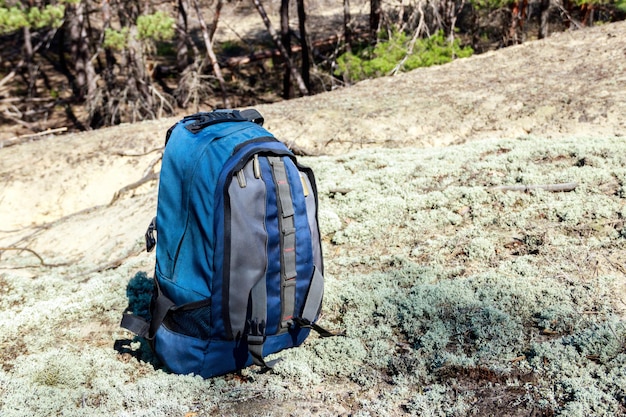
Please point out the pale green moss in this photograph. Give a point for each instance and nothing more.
(431, 273)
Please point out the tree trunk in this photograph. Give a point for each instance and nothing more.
(285, 37)
(31, 69)
(518, 18)
(301, 86)
(85, 81)
(375, 11)
(304, 42)
(347, 29)
(182, 35)
(545, 8)
(211, 54)
(138, 81)
(216, 18)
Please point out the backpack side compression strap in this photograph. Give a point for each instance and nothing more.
(144, 328)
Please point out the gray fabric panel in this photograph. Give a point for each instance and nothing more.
(248, 246)
(314, 297)
(311, 212)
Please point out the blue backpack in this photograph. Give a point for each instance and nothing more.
(239, 271)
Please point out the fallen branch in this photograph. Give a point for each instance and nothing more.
(41, 261)
(300, 151)
(147, 178)
(322, 45)
(139, 154)
(565, 187)
(114, 264)
(16, 140)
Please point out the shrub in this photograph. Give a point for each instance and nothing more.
(397, 54)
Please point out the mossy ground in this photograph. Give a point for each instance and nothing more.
(456, 299)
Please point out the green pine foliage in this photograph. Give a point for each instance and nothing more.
(116, 39)
(395, 54)
(15, 18)
(158, 26)
(150, 28)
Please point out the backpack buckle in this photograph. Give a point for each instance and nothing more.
(150, 240)
(256, 334)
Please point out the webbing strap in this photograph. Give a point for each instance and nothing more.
(135, 324)
(150, 239)
(257, 322)
(305, 324)
(313, 300)
(287, 241)
(141, 327)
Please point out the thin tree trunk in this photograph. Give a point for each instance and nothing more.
(285, 37)
(518, 18)
(546, 7)
(304, 42)
(375, 11)
(216, 18)
(347, 30)
(294, 73)
(79, 51)
(182, 35)
(209, 47)
(31, 78)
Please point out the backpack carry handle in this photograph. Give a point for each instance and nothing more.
(206, 119)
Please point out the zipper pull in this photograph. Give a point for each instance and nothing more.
(241, 178)
(305, 187)
(256, 167)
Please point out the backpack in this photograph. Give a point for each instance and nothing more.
(239, 270)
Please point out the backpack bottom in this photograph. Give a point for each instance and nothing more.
(183, 354)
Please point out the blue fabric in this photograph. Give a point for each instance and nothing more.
(187, 355)
(185, 216)
(272, 276)
(304, 249)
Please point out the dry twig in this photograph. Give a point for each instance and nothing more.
(147, 178)
(569, 186)
(41, 261)
(148, 175)
(16, 140)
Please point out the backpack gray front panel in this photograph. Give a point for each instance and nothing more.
(248, 243)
